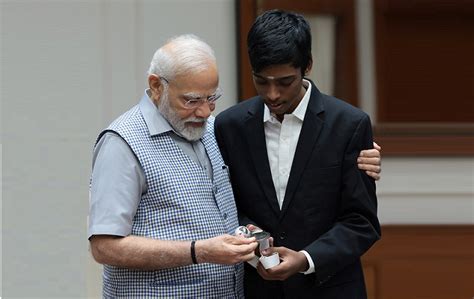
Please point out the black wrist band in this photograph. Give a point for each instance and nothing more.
(193, 252)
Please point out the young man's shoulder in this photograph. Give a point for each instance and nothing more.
(338, 106)
(238, 110)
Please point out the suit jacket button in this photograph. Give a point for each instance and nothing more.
(282, 235)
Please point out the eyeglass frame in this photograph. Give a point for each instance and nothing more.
(191, 102)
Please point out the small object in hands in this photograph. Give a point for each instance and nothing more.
(243, 231)
(270, 261)
(256, 230)
(262, 239)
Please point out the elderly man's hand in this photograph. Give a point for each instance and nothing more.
(225, 249)
(370, 161)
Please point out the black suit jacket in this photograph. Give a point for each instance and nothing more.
(330, 206)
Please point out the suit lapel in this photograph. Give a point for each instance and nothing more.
(257, 149)
(312, 126)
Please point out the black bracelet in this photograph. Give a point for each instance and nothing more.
(193, 252)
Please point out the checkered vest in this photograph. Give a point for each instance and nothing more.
(182, 203)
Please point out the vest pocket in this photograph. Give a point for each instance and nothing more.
(182, 276)
(176, 283)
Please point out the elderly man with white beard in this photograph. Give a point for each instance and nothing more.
(162, 210)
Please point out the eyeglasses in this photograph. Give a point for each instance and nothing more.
(193, 101)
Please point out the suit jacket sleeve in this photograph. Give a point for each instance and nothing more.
(357, 226)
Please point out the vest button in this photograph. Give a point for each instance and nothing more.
(225, 216)
(215, 189)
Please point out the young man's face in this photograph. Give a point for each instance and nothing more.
(281, 87)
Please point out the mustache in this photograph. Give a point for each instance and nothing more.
(194, 119)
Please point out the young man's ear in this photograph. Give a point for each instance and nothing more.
(156, 87)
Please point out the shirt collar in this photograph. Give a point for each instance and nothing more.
(299, 111)
(155, 121)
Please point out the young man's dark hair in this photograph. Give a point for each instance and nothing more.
(279, 37)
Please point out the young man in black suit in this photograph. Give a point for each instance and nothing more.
(292, 154)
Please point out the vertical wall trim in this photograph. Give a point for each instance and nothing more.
(365, 57)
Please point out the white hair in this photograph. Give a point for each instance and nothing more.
(181, 54)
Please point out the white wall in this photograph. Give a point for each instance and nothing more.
(67, 69)
(429, 190)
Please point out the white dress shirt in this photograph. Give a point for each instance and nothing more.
(281, 140)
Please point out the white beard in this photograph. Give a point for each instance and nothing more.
(178, 124)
